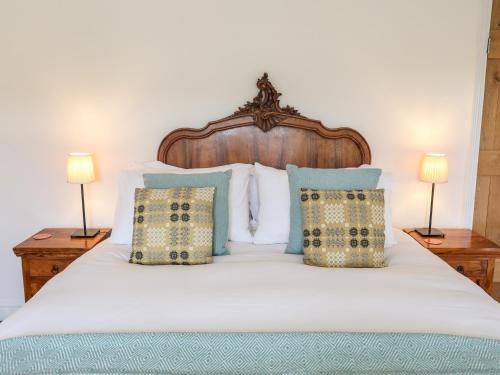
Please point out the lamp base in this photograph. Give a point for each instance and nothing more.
(424, 232)
(91, 233)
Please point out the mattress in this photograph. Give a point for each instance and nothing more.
(258, 289)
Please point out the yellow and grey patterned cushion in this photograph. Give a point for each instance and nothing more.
(173, 226)
(343, 228)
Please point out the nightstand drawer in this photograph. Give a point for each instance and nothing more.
(471, 268)
(37, 283)
(482, 282)
(47, 267)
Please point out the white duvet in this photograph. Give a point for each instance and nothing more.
(258, 289)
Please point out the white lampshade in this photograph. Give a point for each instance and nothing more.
(80, 168)
(434, 168)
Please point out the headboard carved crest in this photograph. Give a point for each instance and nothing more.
(263, 131)
(265, 107)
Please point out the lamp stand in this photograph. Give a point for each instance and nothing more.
(85, 233)
(429, 231)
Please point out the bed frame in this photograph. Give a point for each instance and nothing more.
(263, 131)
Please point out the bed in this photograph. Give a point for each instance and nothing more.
(257, 310)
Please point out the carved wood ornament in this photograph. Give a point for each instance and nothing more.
(263, 131)
(265, 107)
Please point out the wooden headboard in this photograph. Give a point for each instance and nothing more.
(263, 131)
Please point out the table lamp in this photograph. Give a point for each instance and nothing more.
(435, 170)
(80, 170)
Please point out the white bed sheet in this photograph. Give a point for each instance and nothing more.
(258, 289)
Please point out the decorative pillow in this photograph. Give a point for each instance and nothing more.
(343, 228)
(173, 226)
(334, 179)
(220, 180)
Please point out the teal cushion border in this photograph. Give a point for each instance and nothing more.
(313, 178)
(221, 206)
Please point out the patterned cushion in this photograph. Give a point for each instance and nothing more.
(343, 228)
(220, 180)
(314, 178)
(173, 226)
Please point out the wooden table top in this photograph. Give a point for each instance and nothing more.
(459, 241)
(60, 241)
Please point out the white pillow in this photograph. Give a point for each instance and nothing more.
(273, 217)
(130, 179)
(386, 182)
(253, 200)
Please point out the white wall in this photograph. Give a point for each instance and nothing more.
(113, 77)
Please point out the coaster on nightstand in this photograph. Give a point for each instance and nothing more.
(433, 241)
(42, 236)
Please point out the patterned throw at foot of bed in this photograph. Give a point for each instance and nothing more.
(249, 353)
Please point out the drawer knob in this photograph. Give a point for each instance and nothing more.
(460, 269)
(55, 269)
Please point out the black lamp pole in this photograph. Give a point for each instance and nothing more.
(85, 233)
(430, 214)
(429, 231)
(85, 221)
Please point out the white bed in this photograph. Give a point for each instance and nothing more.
(257, 310)
(258, 289)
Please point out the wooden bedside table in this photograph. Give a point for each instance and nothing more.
(43, 259)
(469, 253)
